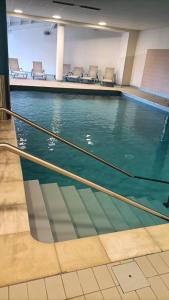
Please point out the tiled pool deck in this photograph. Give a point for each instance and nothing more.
(79, 269)
(99, 283)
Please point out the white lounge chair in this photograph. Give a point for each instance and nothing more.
(108, 77)
(91, 76)
(75, 74)
(66, 69)
(15, 70)
(38, 71)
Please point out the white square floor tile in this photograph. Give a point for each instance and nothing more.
(130, 277)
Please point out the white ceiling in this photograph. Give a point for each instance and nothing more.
(133, 14)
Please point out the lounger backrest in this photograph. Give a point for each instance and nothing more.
(77, 71)
(14, 65)
(37, 66)
(93, 70)
(109, 73)
(66, 69)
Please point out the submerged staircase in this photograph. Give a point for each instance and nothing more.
(66, 213)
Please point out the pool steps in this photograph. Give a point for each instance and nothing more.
(66, 213)
(80, 218)
(96, 213)
(38, 218)
(60, 220)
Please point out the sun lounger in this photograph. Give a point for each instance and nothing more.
(38, 71)
(66, 70)
(75, 74)
(91, 76)
(15, 70)
(108, 77)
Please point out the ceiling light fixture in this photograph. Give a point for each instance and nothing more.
(18, 11)
(102, 23)
(57, 17)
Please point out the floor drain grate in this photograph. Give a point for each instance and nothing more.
(130, 277)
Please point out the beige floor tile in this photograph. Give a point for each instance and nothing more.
(10, 172)
(4, 293)
(23, 258)
(165, 257)
(8, 157)
(14, 219)
(109, 267)
(37, 290)
(72, 285)
(128, 244)
(111, 294)
(11, 141)
(130, 277)
(7, 134)
(12, 193)
(145, 266)
(94, 296)
(6, 125)
(88, 281)
(126, 261)
(159, 288)
(160, 235)
(128, 296)
(165, 278)
(103, 277)
(79, 254)
(54, 287)
(146, 294)
(78, 298)
(158, 263)
(18, 292)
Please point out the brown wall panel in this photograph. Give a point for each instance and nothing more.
(156, 71)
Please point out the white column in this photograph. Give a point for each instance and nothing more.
(60, 52)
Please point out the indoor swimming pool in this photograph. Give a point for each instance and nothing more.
(129, 134)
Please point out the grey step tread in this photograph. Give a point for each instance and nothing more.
(145, 218)
(95, 211)
(111, 211)
(60, 220)
(127, 214)
(149, 204)
(81, 220)
(39, 223)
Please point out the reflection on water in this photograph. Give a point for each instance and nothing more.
(131, 135)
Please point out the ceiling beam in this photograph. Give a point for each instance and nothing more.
(71, 23)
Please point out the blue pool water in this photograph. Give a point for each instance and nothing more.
(124, 132)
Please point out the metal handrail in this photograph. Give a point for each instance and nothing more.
(89, 183)
(54, 135)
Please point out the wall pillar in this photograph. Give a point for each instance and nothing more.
(4, 72)
(127, 53)
(60, 52)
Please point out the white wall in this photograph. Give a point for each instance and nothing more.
(148, 39)
(86, 47)
(82, 47)
(30, 43)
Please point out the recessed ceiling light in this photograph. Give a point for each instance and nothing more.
(102, 23)
(18, 11)
(57, 17)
